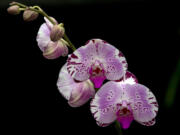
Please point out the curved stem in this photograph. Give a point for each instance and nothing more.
(40, 11)
(17, 3)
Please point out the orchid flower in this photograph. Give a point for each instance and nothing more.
(50, 49)
(77, 93)
(121, 99)
(97, 61)
(124, 101)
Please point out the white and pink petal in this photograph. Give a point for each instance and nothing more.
(43, 37)
(143, 103)
(78, 65)
(65, 83)
(104, 104)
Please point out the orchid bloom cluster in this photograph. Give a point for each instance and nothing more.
(122, 98)
(82, 77)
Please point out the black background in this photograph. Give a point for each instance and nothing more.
(146, 32)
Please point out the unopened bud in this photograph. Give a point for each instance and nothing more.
(14, 10)
(29, 15)
(52, 50)
(65, 48)
(57, 32)
(55, 50)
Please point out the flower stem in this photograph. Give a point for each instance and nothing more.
(118, 128)
(40, 11)
(172, 89)
(70, 43)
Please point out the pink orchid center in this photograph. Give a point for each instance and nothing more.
(97, 74)
(124, 116)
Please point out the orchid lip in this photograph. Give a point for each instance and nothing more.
(97, 74)
(124, 116)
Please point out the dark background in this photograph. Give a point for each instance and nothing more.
(148, 34)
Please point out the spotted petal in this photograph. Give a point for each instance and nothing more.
(104, 105)
(110, 59)
(143, 103)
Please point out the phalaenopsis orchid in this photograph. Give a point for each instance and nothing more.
(81, 78)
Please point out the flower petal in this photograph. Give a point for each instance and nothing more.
(65, 83)
(143, 103)
(104, 104)
(77, 93)
(43, 36)
(80, 62)
(129, 78)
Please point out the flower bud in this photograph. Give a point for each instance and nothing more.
(14, 10)
(57, 32)
(52, 50)
(49, 24)
(77, 93)
(55, 50)
(29, 15)
(81, 93)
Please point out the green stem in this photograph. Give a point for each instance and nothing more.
(40, 11)
(173, 87)
(118, 128)
(70, 43)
